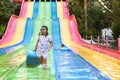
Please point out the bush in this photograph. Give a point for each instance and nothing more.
(2, 30)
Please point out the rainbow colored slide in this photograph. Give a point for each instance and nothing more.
(76, 61)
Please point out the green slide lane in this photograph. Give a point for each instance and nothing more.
(25, 49)
(14, 64)
(41, 10)
(48, 10)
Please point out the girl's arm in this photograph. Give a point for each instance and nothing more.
(36, 45)
(51, 44)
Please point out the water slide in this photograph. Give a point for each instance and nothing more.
(91, 56)
(74, 63)
(20, 27)
(9, 68)
(68, 65)
(12, 24)
(28, 33)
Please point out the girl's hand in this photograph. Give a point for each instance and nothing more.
(36, 45)
(51, 44)
(48, 50)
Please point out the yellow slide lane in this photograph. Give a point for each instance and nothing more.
(29, 12)
(106, 64)
(59, 10)
(19, 33)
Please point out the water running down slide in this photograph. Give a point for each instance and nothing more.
(92, 56)
(11, 61)
(66, 39)
(68, 65)
(100, 62)
(62, 73)
(23, 71)
(13, 58)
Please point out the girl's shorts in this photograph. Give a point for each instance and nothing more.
(42, 53)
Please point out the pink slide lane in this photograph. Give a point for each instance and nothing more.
(65, 10)
(12, 24)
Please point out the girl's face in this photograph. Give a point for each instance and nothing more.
(43, 31)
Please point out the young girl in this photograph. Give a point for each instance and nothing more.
(43, 46)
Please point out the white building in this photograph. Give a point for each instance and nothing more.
(106, 32)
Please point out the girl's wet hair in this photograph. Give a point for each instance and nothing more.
(45, 27)
(46, 30)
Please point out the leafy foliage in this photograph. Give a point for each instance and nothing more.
(116, 19)
(97, 19)
(98, 16)
(2, 29)
(6, 10)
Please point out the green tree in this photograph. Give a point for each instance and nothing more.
(76, 7)
(6, 10)
(98, 18)
(116, 18)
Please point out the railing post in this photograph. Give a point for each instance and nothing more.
(98, 40)
(107, 42)
(119, 44)
(91, 39)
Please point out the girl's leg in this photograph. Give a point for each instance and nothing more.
(45, 55)
(44, 61)
(41, 60)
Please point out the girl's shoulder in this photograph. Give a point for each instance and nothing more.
(48, 36)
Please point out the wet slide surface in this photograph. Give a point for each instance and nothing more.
(65, 64)
(15, 66)
(68, 65)
(99, 60)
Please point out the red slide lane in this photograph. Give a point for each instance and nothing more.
(23, 9)
(12, 24)
(78, 39)
(65, 10)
